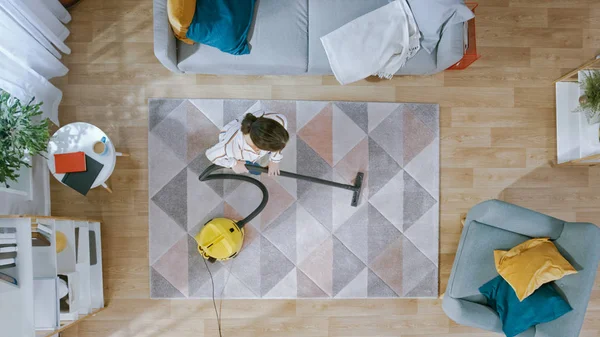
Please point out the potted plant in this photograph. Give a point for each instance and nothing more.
(22, 135)
(589, 101)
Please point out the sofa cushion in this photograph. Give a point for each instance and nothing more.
(223, 24)
(529, 265)
(278, 44)
(475, 257)
(323, 22)
(181, 13)
(544, 305)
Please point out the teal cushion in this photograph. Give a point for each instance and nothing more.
(544, 305)
(223, 24)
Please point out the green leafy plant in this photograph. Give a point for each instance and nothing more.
(591, 85)
(21, 134)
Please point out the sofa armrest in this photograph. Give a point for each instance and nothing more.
(165, 45)
(471, 314)
(451, 47)
(515, 219)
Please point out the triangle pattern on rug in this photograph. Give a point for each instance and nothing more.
(198, 276)
(247, 267)
(425, 168)
(377, 112)
(244, 199)
(216, 212)
(279, 201)
(388, 200)
(201, 200)
(389, 135)
(158, 109)
(212, 109)
(310, 234)
(317, 133)
(163, 164)
(353, 233)
(427, 288)
(424, 233)
(416, 201)
(342, 208)
(416, 136)
(307, 288)
(206, 291)
(388, 265)
(274, 266)
(415, 269)
(346, 134)
(318, 202)
(234, 288)
(429, 114)
(357, 111)
(357, 160)
(286, 288)
(198, 165)
(172, 263)
(357, 288)
(234, 108)
(172, 130)
(346, 266)
(382, 167)
(164, 232)
(307, 110)
(198, 128)
(161, 287)
(377, 288)
(380, 233)
(172, 199)
(289, 164)
(282, 233)
(318, 266)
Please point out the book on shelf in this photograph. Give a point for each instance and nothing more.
(7, 261)
(69, 162)
(8, 248)
(82, 181)
(8, 241)
(8, 279)
(8, 236)
(10, 255)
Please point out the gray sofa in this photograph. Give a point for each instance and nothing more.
(285, 40)
(495, 224)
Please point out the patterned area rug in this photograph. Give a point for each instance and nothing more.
(309, 242)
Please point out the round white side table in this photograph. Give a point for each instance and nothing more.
(81, 136)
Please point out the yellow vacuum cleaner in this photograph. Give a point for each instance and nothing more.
(222, 238)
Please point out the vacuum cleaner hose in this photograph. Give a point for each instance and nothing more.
(206, 175)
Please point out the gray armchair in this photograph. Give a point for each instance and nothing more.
(495, 224)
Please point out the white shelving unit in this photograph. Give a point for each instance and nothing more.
(38, 266)
(577, 142)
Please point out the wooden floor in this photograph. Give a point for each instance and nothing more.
(498, 137)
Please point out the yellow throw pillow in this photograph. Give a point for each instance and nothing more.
(181, 13)
(529, 265)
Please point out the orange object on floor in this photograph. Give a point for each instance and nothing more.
(70, 162)
(470, 54)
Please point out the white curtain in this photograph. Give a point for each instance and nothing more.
(32, 35)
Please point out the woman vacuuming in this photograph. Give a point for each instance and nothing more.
(259, 137)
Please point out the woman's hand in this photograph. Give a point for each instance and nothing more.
(273, 169)
(240, 167)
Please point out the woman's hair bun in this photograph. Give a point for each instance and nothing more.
(247, 123)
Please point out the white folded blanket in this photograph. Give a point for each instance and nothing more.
(377, 43)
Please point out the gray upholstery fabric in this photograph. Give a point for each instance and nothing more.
(498, 225)
(285, 39)
(278, 43)
(164, 40)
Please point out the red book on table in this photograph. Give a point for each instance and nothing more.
(69, 162)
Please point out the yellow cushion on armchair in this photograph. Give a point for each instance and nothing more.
(181, 13)
(529, 265)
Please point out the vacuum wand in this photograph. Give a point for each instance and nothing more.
(356, 188)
